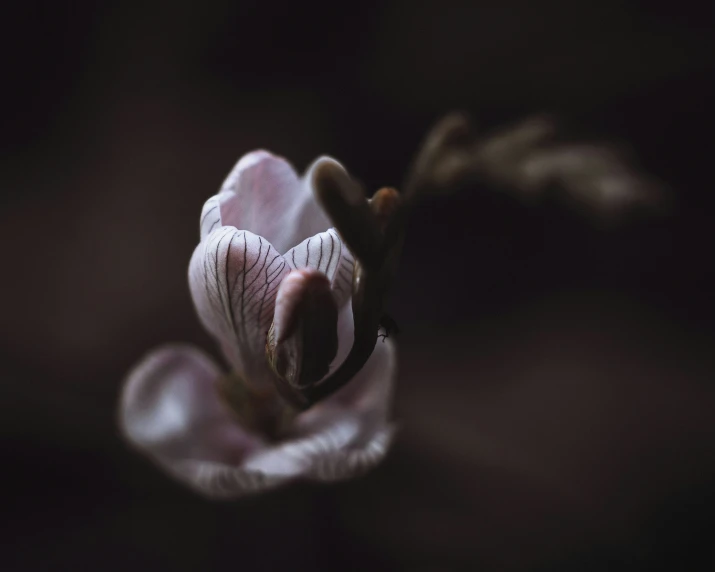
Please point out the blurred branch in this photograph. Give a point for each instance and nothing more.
(530, 161)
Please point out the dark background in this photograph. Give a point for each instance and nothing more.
(556, 391)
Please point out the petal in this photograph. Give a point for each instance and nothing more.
(343, 437)
(210, 217)
(370, 392)
(346, 337)
(170, 410)
(264, 195)
(352, 462)
(222, 481)
(296, 457)
(259, 194)
(367, 398)
(303, 341)
(234, 277)
(270, 466)
(326, 253)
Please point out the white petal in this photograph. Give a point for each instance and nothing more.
(367, 398)
(270, 466)
(296, 457)
(370, 392)
(326, 253)
(346, 337)
(234, 277)
(222, 481)
(341, 438)
(352, 462)
(170, 410)
(259, 195)
(264, 195)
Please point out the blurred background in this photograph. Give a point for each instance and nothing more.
(557, 381)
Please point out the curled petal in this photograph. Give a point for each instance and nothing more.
(234, 277)
(303, 339)
(296, 457)
(169, 409)
(222, 481)
(349, 463)
(264, 195)
(270, 466)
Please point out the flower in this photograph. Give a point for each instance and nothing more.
(295, 315)
(296, 305)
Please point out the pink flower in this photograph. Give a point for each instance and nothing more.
(273, 283)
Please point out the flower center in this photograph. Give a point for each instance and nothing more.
(260, 411)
